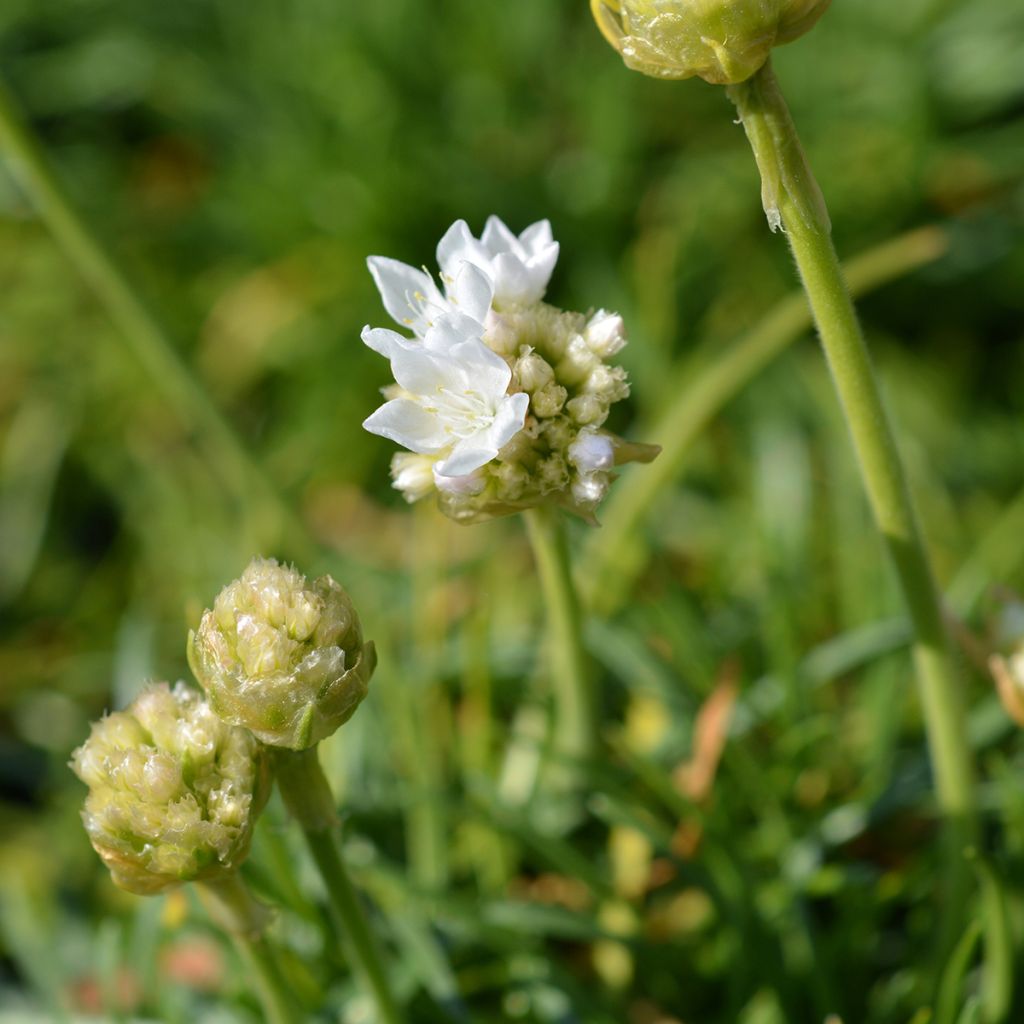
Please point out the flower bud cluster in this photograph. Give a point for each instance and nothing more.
(562, 455)
(174, 791)
(501, 398)
(721, 41)
(281, 656)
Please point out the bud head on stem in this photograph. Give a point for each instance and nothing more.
(173, 791)
(721, 41)
(282, 656)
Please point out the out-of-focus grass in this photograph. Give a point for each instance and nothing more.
(243, 160)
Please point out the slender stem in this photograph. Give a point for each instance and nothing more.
(609, 566)
(308, 797)
(792, 199)
(234, 909)
(575, 734)
(139, 327)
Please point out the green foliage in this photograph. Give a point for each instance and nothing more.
(242, 160)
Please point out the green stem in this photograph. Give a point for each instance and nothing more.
(307, 794)
(575, 729)
(140, 329)
(792, 200)
(234, 909)
(610, 564)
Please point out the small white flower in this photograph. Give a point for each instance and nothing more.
(499, 267)
(454, 402)
(519, 268)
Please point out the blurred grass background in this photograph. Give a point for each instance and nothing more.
(242, 161)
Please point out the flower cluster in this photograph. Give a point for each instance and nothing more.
(281, 656)
(499, 398)
(173, 790)
(721, 41)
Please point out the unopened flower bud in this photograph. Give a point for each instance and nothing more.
(548, 401)
(605, 334)
(533, 372)
(721, 41)
(412, 474)
(592, 451)
(586, 409)
(282, 656)
(174, 791)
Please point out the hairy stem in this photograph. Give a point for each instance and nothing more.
(793, 200)
(234, 909)
(307, 794)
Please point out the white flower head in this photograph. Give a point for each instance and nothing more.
(454, 402)
(501, 398)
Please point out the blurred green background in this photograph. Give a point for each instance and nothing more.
(242, 160)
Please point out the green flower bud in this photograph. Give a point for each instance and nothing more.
(282, 656)
(173, 791)
(721, 41)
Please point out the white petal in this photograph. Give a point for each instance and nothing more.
(468, 455)
(486, 371)
(537, 237)
(385, 342)
(410, 425)
(498, 238)
(471, 483)
(512, 281)
(410, 296)
(458, 246)
(541, 265)
(425, 373)
(471, 291)
(509, 420)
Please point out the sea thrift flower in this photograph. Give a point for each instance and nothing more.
(173, 790)
(721, 41)
(281, 656)
(500, 398)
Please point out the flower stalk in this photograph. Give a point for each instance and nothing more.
(575, 719)
(794, 202)
(233, 908)
(307, 795)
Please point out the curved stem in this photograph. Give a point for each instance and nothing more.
(575, 727)
(610, 566)
(308, 797)
(792, 199)
(234, 909)
(139, 327)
